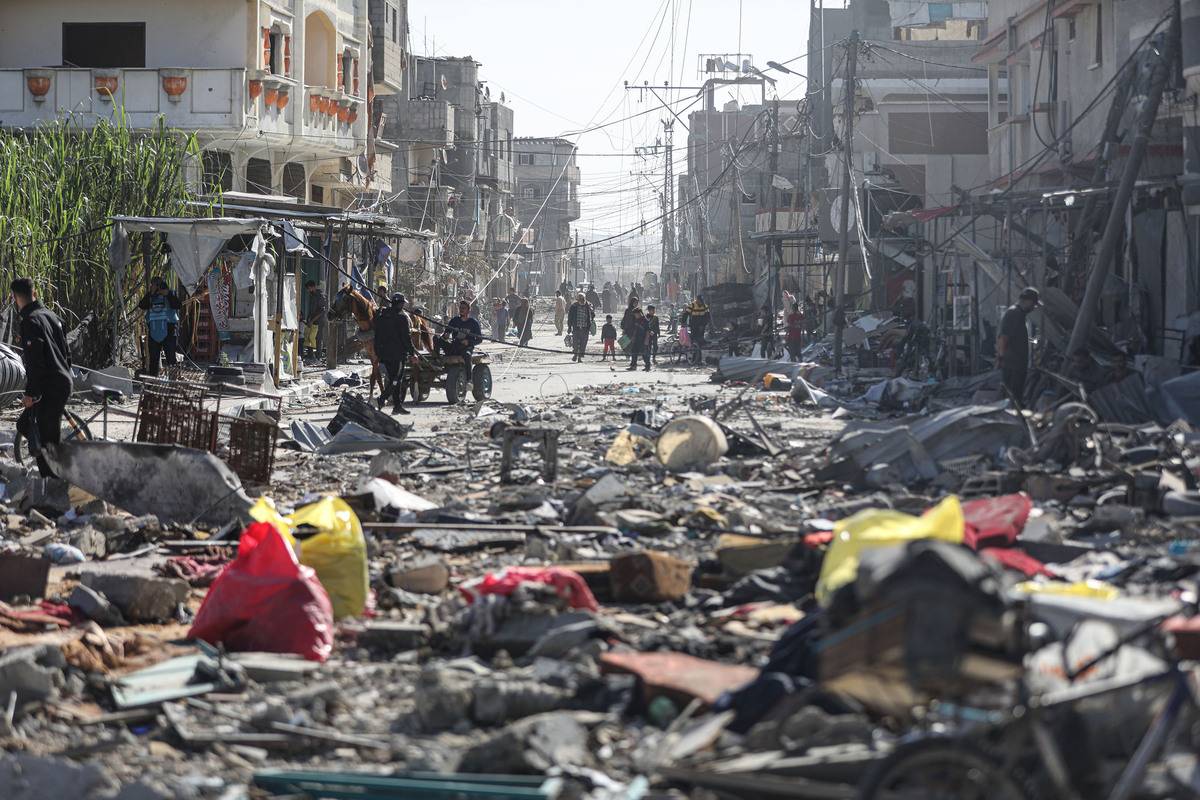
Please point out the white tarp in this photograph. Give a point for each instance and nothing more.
(194, 242)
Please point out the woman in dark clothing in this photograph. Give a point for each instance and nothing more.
(637, 333)
(525, 320)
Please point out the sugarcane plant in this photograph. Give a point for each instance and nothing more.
(62, 182)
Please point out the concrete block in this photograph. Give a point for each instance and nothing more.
(649, 577)
(34, 673)
(428, 576)
(95, 606)
(141, 598)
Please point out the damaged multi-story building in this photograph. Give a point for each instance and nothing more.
(453, 167)
(995, 145)
(547, 203)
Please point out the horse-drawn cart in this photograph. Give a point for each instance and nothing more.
(427, 370)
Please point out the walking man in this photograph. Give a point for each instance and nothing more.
(499, 319)
(1012, 344)
(525, 320)
(653, 331)
(47, 372)
(314, 320)
(579, 322)
(698, 317)
(795, 333)
(393, 348)
(560, 312)
(636, 332)
(162, 316)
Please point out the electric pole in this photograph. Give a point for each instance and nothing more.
(839, 278)
(773, 166)
(668, 235)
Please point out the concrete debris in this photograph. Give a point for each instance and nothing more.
(140, 598)
(177, 484)
(718, 590)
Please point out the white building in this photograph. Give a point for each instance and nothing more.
(276, 90)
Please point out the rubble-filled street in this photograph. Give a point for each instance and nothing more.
(679, 587)
(410, 400)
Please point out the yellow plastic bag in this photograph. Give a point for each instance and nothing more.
(338, 553)
(872, 529)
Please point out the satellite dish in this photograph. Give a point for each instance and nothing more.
(445, 84)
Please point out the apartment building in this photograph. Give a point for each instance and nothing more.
(275, 91)
(547, 203)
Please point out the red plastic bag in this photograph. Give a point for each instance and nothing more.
(265, 600)
(995, 521)
(567, 583)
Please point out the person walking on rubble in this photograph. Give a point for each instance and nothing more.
(499, 319)
(560, 312)
(47, 363)
(393, 348)
(698, 318)
(795, 332)
(314, 320)
(162, 317)
(608, 335)
(653, 331)
(637, 333)
(579, 323)
(1012, 345)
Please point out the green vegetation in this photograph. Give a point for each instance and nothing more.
(59, 185)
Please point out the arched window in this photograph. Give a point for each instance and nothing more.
(320, 51)
(294, 181)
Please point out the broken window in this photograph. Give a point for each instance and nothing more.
(294, 181)
(104, 45)
(258, 176)
(525, 159)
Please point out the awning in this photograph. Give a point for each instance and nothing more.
(195, 242)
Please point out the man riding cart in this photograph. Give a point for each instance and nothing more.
(455, 358)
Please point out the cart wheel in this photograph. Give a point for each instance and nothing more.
(75, 430)
(481, 382)
(456, 384)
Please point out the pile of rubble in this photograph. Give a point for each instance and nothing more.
(628, 593)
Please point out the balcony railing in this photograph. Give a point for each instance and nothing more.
(200, 99)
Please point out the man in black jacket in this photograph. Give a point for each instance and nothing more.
(393, 347)
(47, 372)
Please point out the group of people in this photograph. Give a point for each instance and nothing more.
(396, 344)
(514, 311)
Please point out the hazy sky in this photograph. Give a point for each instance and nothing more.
(561, 63)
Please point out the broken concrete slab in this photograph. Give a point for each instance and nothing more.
(22, 576)
(33, 673)
(465, 540)
(141, 598)
(177, 484)
(393, 637)
(356, 410)
(531, 745)
(681, 677)
(95, 606)
(28, 777)
(424, 576)
(649, 577)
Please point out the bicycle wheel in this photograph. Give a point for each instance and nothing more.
(75, 430)
(940, 769)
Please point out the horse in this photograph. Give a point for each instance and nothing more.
(353, 302)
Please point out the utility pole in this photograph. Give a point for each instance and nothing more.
(668, 235)
(1133, 165)
(839, 279)
(773, 166)
(736, 254)
(701, 217)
